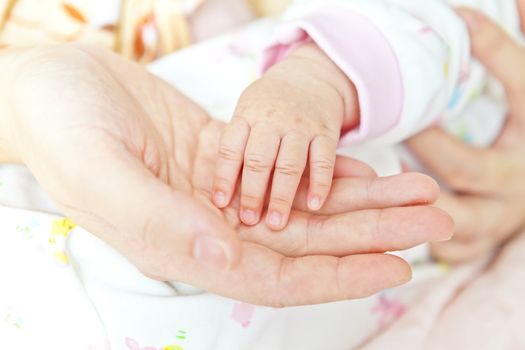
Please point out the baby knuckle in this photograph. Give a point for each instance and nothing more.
(281, 200)
(323, 164)
(229, 153)
(328, 128)
(256, 163)
(321, 187)
(250, 200)
(288, 168)
(222, 182)
(298, 136)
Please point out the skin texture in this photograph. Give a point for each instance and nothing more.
(129, 158)
(487, 203)
(288, 121)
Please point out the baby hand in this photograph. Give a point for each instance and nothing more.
(291, 117)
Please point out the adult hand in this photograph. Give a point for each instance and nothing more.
(488, 203)
(130, 159)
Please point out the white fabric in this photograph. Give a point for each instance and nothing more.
(66, 289)
(72, 291)
(440, 78)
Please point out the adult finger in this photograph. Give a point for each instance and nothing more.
(270, 279)
(463, 167)
(456, 252)
(474, 217)
(521, 9)
(359, 193)
(366, 231)
(132, 210)
(349, 167)
(501, 54)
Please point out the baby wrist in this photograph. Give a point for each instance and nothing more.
(335, 78)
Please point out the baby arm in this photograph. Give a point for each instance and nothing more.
(289, 120)
(409, 61)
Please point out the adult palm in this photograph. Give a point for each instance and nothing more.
(131, 159)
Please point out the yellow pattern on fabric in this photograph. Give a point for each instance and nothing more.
(62, 226)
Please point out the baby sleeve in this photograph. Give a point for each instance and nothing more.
(409, 60)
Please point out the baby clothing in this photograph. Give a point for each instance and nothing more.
(409, 60)
(63, 288)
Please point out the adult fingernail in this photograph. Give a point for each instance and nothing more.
(248, 217)
(315, 203)
(211, 252)
(219, 198)
(275, 219)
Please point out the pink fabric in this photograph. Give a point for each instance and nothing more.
(480, 306)
(279, 52)
(243, 313)
(361, 51)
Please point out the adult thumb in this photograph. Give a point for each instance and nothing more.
(155, 226)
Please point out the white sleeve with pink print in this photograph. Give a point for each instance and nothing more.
(409, 59)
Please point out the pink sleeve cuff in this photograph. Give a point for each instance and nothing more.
(362, 52)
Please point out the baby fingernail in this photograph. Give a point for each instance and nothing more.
(211, 252)
(275, 219)
(248, 217)
(220, 199)
(315, 203)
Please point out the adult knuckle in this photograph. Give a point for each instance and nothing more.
(314, 225)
